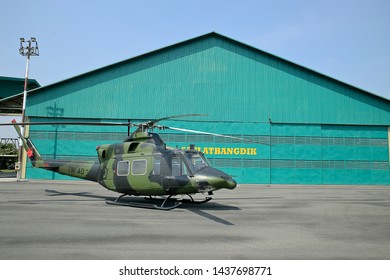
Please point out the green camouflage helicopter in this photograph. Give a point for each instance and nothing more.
(141, 165)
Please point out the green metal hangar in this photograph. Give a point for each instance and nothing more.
(313, 129)
(10, 86)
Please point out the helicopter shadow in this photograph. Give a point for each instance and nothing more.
(201, 212)
(79, 194)
(198, 209)
(203, 208)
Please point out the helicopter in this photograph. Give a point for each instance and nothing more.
(141, 165)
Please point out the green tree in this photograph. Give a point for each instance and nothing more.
(8, 149)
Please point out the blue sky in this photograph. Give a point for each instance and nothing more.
(346, 39)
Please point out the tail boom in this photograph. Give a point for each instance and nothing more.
(88, 170)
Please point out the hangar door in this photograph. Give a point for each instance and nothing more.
(295, 154)
(329, 154)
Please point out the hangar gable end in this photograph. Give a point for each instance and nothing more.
(213, 75)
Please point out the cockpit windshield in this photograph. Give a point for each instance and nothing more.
(196, 161)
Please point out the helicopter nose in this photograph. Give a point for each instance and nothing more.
(215, 179)
(231, 183)
(224, 182)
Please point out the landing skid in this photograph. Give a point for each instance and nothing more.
(191, 200)
(177, 202)
(143, 205)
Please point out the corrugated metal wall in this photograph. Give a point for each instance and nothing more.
(320, 130)
(290, 153)
(215, 76)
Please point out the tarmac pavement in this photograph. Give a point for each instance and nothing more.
(70, 220)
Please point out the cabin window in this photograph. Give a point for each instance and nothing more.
(157, 166)
(178, 167)
(138, 167)
(123, 168)
(132, 147)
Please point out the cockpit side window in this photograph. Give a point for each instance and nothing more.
(197, 161)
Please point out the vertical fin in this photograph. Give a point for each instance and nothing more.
(28, 145)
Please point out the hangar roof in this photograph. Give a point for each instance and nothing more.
(215, 75)
(10, 86)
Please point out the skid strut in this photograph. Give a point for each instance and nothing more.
(144, 205)
(177, 202)
(191, 200)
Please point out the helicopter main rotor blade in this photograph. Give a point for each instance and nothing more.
(71, 123)
(153, 122)
(213, 134)
(148, 124)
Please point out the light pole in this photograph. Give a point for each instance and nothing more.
(27, 48)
